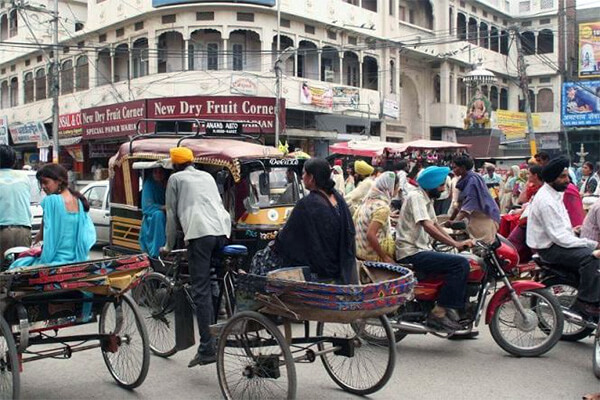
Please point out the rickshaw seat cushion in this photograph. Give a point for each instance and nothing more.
(234, 250)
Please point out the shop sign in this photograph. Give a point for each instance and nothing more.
(256, 110)
(28, 132)
(103, 150)
(589, 50)
(317, 96)
(581, 103)
(163, 3)
(345, 97)
(390, 108)
(244, 85)
(69, 125)
(4, 130)
(513, 124)
(113, 121)
(217, 128)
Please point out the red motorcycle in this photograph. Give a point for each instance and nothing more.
(525, 319)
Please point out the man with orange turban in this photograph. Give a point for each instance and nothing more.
(193, 199)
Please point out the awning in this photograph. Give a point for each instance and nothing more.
(310, 133)
(374, 149)
(68, 141)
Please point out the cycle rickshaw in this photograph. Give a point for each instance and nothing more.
(37, 303)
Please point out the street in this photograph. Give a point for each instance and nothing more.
(427, 367)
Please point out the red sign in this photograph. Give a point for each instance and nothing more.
(259, 110)
(69, 125)
(112, 121)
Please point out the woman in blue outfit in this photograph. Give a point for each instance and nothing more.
(152, 236)
(67, 230)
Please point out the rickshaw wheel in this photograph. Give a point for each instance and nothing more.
(373, 362)
(129, 362)
(254, 360)
(155, 301)
(10, 385)
(596, 354)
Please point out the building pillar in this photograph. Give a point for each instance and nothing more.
(341, 62)
(186, 56)
(445, 83)
(360, 69)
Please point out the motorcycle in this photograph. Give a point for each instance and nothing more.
(525, 319)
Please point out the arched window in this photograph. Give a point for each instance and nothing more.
(472, 31)
(437, 89)
(14, 92)
(494, 39)
(66, 77)
(503, 99)
(4, 99)
(531, 102)
(82, 75)
(461, 26)
(494, 97)
(528, 43)
(28, 87)
(462, 92)
(13, 25)
(40, 84)
(545, 43)
(451, 89)
(545, 100)
(504, 36)
(484, 35)
(139, 55)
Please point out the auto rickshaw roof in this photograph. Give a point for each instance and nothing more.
(220, 152)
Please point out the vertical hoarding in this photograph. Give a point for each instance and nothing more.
(589, 50)
(581, 103)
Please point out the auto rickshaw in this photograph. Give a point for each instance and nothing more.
(258, 184)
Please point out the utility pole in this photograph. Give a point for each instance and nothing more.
(55, 87)
(524, 83)
(281, 58)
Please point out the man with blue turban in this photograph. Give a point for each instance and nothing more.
(417, 226)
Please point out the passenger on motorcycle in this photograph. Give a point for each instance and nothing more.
(549, 231)
(417, 225)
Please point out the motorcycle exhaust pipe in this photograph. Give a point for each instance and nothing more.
(577, 319)
(410, 327)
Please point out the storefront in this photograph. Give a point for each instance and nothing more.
(30, 142)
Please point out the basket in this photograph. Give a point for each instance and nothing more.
(387, 288)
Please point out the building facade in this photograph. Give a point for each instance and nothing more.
(391, 69)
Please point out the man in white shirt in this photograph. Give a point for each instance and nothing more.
(193, 199)
(549, 232)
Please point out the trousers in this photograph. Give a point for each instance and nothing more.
(453, 268)
(580, 260)
(14, 237)
(200, 253)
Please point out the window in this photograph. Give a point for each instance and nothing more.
(545, 80)
(437, 92)
(120, 32)
(245, 17)
(545, 44)
(78, 26)
(485, 14)
(205, 16)
(66, 50)
(285, 23)
(352, 40)
(14, 92)
(450, 20)
(494, 97)
(402, 13)
(411, 16)
(80, 45)
(392, 77)
(546, 4)
(391, 7)
(545, 21)
(526, 23)
(40, 84)
(139, 57)
(102, 38)
(27, 63)
(28, 87)
(524, 6)
(528, 42)
(212, 56)
(138, 26)
(309, 29)
(503, 99)
(66, 77)
(13, 68)
(169, 19)
(331, 35)
(370, 5)
(39, 58)
(238, 57)
(462, 92)
(13, 24)
(545, 100)
(95, 196)
(82, 78)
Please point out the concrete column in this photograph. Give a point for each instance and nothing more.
(319, 63)
(360, 69)
(341, 62)
(153, 49)
(225, 50)
(112, 64)
(445, 83)
(92, 70)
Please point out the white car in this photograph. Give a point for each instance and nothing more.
(37, 194)
(96, 194)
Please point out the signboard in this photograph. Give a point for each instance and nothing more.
(163, 3)
(513, 124)
(103, 150)
(589, 50)
(28, 132)
(4, 130)
(218, 128)
(69, 125)
(390, 108)
(112, 121)
(581, 103)
(317, 96)
(244, 85)
(346, 97)
(258, 110)
(549, 141)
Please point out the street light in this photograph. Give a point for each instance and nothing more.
(285, 54)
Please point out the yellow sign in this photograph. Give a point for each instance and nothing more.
(514, 124)
(589, 50)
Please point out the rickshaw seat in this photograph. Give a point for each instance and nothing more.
(234, 250)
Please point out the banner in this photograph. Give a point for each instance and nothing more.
(28, 132)
(244, 85)
(513, 124)
(69, 125)
(391, 108)
(113, 121)
(346, 97)
(589, 50)
(163, 3)
(581, 103)
(317, 96)
(4, 130)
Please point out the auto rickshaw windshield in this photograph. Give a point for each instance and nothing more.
(284, 187)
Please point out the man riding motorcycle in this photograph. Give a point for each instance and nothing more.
(549, 232)
(417, 225)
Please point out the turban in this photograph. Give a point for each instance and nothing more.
(181, 155)
(337, 162)
(554, 168)
(362, 168)
(432, 177)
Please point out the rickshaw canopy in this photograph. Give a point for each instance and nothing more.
(375, 149)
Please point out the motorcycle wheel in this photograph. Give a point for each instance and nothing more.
(528, 338)
(596, 356)
(566, 294)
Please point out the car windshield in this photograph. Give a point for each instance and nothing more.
(284, 187)
(37, 194)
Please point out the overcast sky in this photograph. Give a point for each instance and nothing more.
(587, 3)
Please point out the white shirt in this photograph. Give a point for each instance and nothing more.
(411, 237)
(402, 183)
(548, 222)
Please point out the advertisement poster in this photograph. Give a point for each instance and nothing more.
(28, 132)
(163, 3)
(513, 124)
(345, 97)
(581, 103)
(589, 50)
(3, 130)
(317, 96)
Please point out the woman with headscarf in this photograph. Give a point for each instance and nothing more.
(507, 189)
(372, 221)
(152, 231)
(519, 185)
(337, 174)
(364, 181)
